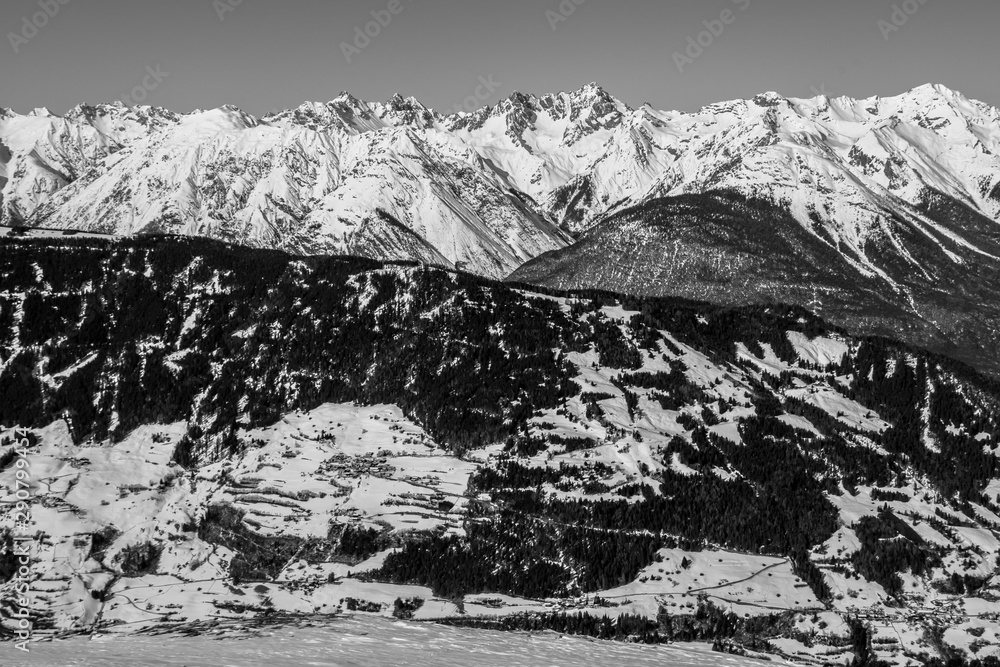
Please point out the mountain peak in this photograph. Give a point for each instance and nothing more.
(405, 111)
(91, 111)
(226, 116)
(592, 89)
(398, 101)
(595, 95)
(518, 98)
(769, 99)
(350, 101)
(931, 89)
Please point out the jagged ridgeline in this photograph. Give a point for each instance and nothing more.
(111, 335)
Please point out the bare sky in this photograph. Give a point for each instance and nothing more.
(264, 54)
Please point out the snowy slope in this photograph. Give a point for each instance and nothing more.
(42, 153)
(372, 641)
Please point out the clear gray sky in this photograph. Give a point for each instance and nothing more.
(266, 54)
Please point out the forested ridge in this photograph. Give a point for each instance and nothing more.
(726, 247)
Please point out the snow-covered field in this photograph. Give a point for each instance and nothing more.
(372, 643)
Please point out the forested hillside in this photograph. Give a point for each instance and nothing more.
(937, 289)
(348, 430)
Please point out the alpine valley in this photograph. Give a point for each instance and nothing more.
(560, 364)
(206, 437)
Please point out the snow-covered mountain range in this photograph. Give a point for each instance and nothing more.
(490, 189)
(321, 179)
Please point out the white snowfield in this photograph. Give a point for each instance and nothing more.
(347, 642)
(370, 466)
(742, 583)
(820, 351)
(488, 190)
